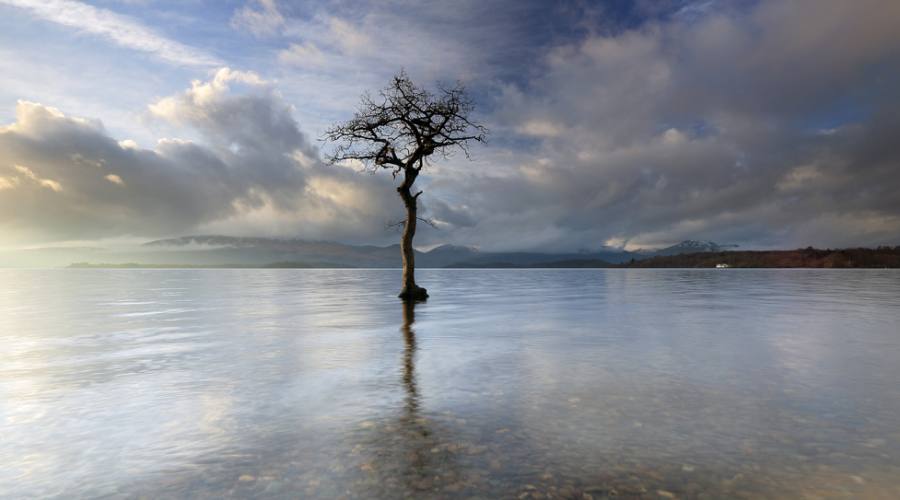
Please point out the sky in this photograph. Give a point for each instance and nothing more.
(635, 124)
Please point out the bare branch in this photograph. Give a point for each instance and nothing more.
(406, 126)
(430, 222)
(399, 224)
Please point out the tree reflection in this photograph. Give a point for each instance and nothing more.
(419, 439)
(413, 452)
(409, 359)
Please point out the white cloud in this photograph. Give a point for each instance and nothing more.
(263, 20)
(57, 183)
(202, 93)
(303, 55)
(541, 128)
(120, 29)
(115, 179)
(29, 174)
(674, 137)
(8, 182)
(351, 38)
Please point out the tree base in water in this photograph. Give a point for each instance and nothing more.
(413, 293)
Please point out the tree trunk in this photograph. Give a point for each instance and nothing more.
(410, 290)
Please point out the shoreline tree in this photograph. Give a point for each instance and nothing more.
(401, 130)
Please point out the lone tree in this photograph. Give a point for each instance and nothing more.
(400, 130)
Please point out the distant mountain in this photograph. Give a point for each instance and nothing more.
(217, 250)
(446, 255)
(536, 259)
(692, 246)
(559, 262)
(229, 251)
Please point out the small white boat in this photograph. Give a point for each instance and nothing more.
(722, 266)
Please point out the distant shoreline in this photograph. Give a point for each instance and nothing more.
(849, 258)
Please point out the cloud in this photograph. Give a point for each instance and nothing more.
(305, 55)
(351, 39)
(707, 126)
(762, 123)
(540, 128)
(243, 120)
(115, 179)
(253, 172)
(259, 17)
(472, 41)
(29, 175)
(119, 29)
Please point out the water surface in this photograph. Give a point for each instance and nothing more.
(506, 383)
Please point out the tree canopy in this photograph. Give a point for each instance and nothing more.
(406, 124)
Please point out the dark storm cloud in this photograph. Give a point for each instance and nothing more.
(767, 126)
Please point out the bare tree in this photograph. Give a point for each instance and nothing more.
(401, 130)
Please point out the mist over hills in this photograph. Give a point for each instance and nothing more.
(216, 249)
(230, 251)
(693, 246)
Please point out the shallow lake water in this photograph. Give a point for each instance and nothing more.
(631, 383)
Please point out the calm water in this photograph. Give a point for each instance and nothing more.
(507, 383)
